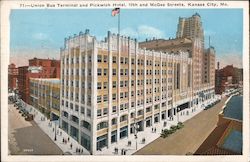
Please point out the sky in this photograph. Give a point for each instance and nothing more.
(41, 33)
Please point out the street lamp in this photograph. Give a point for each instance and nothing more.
(136, 127)
(177, 109)
(55, 132)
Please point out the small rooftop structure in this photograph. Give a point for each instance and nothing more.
(234, 108)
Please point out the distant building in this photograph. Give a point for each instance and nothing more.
(228, 77)
(12, 77)
(45, 96)
(226, 138)
(191, 27)
(38, 68)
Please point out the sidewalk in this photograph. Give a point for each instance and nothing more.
(136, 144)
(148, 134)
(49, 129)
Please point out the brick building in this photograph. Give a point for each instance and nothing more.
(227, 77)
(12, 77)
(38, 68)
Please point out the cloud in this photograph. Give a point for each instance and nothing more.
(234, 59)
(141, 32)
(149, 31)
(40, 36)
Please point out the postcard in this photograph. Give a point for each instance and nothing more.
(125, 81)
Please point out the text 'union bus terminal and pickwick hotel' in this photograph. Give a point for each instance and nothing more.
(110, 87)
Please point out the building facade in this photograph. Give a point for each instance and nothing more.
(45, 96)
(12, 77)
(38, 68)
(228, 77)
(191, 27)
(111, 87)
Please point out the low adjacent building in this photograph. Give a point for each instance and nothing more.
(226, 138)
(45, 96)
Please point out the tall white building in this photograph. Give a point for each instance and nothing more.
(110, 87)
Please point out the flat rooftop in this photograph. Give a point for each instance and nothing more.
(234, 108)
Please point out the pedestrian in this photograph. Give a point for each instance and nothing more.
(60, 133)
(76, 150)
(81, 151)
(63, 140)
(68, 139)
(155, 129)
(152, 129)
(71, 146)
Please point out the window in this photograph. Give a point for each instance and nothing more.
(102, 125)
(132, 93)
(99, 85)
(114, 59)
(122, 60)
(126, 72)
(99, 58)
(89, 72)
(140, 112)
(114, 71)
(99, 112)
(114, 121)
(105, 85)
(121, 71)
(121, 95)
(105, 98)
(99, 71)
(132, 61)
(89, 58)
(88, 112)
(99, 99)
(132, 83)
(123, 118)
(82, 110)
(121, 83)
(132, 72)
(114, 84)
(105, 72)
(114, 96)
(126, 60)
(105, 58)
(126, 83)
(114, 109)
(105, 111)
(148, 109)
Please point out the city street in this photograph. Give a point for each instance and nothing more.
(27, 138)
(187, 139)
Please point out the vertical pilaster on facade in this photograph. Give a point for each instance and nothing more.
(129, 87)
(110, 87)
(93, 96)
(118, 84)
(153, 88)
(160, 112)
(144, 89)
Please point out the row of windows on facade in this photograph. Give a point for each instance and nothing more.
(104, 124)
(122, 94)
(40, 94)
(104, 72)
(114, 83)
(123, 60)
(122, 107)
(76, 108)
